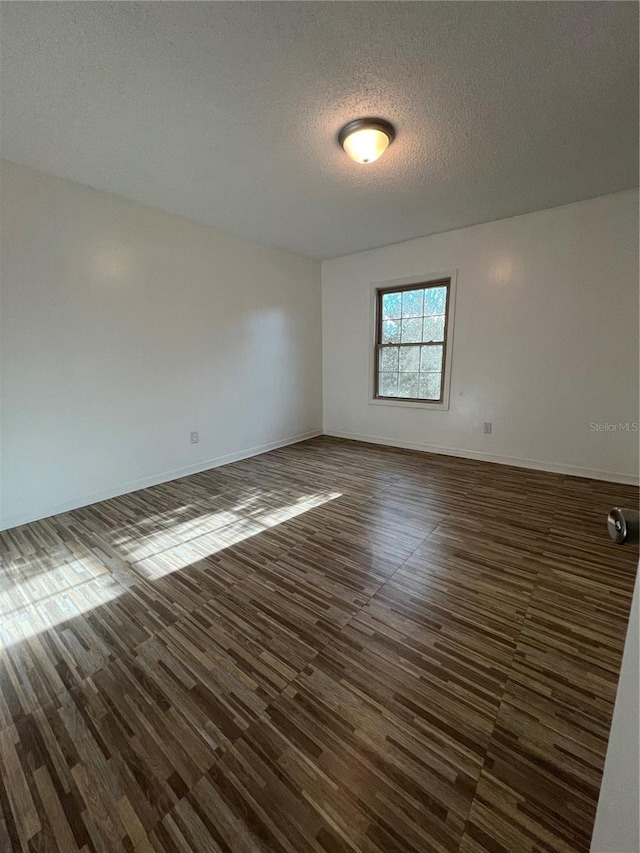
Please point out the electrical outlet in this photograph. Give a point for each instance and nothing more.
(487, 427)
(195, 438)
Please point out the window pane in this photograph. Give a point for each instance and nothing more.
(430, 386)
(408, 385)
(389, 358)
(390, 332)
(433, 329)
(435, 300)
(412, 302)
(411, 343)
(391, 306)
(410, 359)
(388, 383)
(431, 358)
(411, 331)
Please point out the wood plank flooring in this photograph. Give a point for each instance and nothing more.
(330, 647)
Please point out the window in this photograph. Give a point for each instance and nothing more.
(411, 342)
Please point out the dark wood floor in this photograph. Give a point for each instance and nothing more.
(329, 647)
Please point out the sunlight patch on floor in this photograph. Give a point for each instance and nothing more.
(180, 555)
(58, 606)
(37, 597)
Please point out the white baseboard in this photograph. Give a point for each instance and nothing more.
(517, 461)
(133, 485)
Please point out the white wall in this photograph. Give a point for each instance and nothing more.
(617, 826)
(124, 328)
(545, 340)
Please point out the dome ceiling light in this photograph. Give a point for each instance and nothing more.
(366, 139)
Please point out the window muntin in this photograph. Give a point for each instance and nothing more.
(411, 340)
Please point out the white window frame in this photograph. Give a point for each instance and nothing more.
(426, 279)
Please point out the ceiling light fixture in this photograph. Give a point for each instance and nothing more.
(366, 139)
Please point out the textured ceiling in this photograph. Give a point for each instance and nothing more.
(227, 113)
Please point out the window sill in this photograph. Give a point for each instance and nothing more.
(425, 407)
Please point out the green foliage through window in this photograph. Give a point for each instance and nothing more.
(412, 324)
